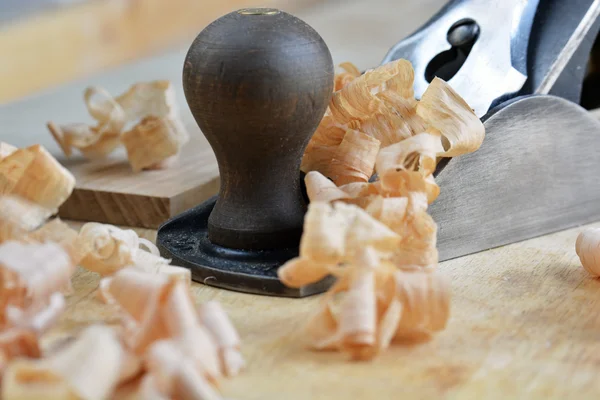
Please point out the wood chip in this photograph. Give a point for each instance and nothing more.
(152, 143)
(587, 247)
(106, 249)
(448, 115)
(350, 72)
(425, 299)
(33, 174)
(375, 235)
(224, 334)
(89, 140)
(87, 368)
(156, 136)
(380, 104)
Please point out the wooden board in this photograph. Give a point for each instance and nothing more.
(525, 324)
(109, 192)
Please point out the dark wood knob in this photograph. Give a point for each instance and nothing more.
(258, 82)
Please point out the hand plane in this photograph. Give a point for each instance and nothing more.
(521, 65)
(258, 82)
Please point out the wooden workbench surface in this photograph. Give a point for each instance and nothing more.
(525, 317)
(525, 324)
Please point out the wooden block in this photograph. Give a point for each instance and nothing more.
(109, 191)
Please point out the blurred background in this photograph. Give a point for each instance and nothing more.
(47, 43)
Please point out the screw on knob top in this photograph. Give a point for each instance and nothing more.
(258, 82)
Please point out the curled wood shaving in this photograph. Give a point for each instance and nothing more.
(104, 108)
(161, 324)
(451, 117)
(332, 236)
(33, 174)
(375, 235)
(354, 158)
(228, 342)
(380, 104)
(107, 249)
(87, 368)
(425, 300)
(152, 143)
(166, 344)
(350, 72)
(587, 247)
(90, 141)
(93, 141)
(157, 134)
(155, 98)
(172, 375)
(379, 303)
(31, 279)
(358, 313)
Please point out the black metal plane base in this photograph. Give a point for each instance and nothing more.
(184, 239)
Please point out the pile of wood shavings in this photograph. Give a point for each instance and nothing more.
(164, 345)
(154, 140)
(375, 235)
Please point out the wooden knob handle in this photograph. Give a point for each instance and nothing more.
(258, 82)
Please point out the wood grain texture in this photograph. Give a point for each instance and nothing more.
(525, 322)
(76, 41)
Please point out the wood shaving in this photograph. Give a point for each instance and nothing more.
(228, 342)
(380, 104)
(107, 249)
(33, 174)
(172, 375)
(185, 350)
(587, 247)
(90, 141)
(32, 277)
(152, 143)
(87, 368)
(156, 136)
(167, 344)
(350, 72)
(375, 235)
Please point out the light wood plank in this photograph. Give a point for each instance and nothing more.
(525, 322)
